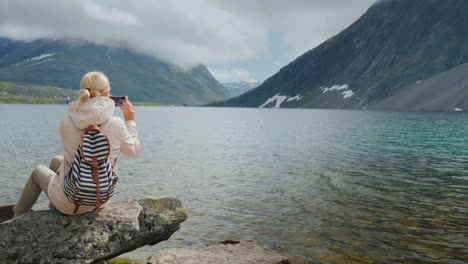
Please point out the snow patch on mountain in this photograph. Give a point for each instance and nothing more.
(41, 58)
(335, 87)
(280, 99)
(346, 94)
(239, 88)
(297, 98)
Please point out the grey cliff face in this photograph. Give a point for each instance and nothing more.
(393, 45)
(51, 237)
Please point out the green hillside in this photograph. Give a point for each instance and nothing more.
(11, 92)
(141, 77)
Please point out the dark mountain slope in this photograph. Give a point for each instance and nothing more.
(432, 94)
(394, 44)
(143, 78)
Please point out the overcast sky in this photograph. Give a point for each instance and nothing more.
(239, 40)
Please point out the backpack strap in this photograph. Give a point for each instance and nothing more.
(77, 205)
(95, 170)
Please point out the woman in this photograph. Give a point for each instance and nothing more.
(93, 107)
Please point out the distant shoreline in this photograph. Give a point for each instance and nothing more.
(52, 102)
(26, 93)
(239, 107)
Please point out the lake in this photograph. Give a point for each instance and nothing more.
(318, 186)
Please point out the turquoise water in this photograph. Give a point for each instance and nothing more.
(318, 186)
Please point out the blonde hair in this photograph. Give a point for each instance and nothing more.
(93, 84)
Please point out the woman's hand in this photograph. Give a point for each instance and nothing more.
(127, 110)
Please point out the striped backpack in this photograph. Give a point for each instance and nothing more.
(91, 180)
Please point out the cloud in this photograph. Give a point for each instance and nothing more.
(300, 24)
(185, 32)
(232, 75)
(182, 32)
(111, 15)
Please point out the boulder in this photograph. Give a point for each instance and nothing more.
(6, 213)
(51, 237)
(227, 252)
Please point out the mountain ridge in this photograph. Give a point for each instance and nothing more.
(238, 88)
(62, 63)
(394, 44)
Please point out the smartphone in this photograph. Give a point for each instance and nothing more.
(118, 100)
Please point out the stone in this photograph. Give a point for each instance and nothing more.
(6, 213)
(51, 237)
(227, 252)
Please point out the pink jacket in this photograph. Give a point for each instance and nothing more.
(123, 137)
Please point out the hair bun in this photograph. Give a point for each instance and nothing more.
(84, 95)
(93, 84)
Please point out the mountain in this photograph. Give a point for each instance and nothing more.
(445, 91)
(395, 44)
(143, 78)
(238, 88)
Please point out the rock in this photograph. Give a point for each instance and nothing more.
(51, 237)
(6, 213)
(232, 252)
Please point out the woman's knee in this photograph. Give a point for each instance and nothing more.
(39, 171)
(55, 163)
(41, 176)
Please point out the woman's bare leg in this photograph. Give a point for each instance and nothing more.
(37, 182)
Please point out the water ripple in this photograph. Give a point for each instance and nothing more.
(319, 186)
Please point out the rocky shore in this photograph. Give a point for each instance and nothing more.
(51, 237)
(232, 252)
